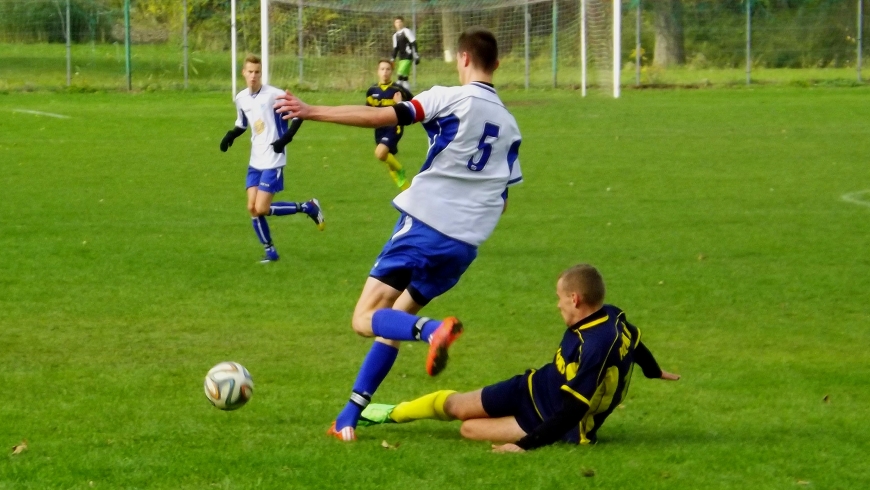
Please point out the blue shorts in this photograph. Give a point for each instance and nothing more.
(271, 180)
(422, 260)
(390, 136)
(512, 398)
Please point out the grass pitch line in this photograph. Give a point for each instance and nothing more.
(40, 113)
(856, 197)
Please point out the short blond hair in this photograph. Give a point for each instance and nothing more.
(586, 281)
(254, 59)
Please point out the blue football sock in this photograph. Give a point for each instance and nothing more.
(398, 325)
(374, 369)
(283, 208)
(261, 228)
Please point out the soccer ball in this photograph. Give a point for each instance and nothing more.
(228, 386)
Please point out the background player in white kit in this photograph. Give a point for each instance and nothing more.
(452, 206)
(269, 135)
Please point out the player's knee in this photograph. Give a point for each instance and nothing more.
(381, 153)
(252, 209)
(362, 325)
(261, 209)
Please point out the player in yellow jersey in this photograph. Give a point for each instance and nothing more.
(385, 93)
(567, 399)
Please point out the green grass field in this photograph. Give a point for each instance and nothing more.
(128, 268)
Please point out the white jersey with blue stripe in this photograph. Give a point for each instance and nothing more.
(255, 111)
(473, 158)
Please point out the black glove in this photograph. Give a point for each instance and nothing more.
(279, 144)
(231, 135)
(417, 60)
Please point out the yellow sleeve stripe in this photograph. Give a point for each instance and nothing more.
(576, 395)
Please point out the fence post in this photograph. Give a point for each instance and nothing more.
(264, 40)
(583, 48)
(555, 39)
(300, 39)
(617, 46)
(184, 35)
(69, 48)
(637, 48)
(748, 42)
(526, 38)
(128, 64)
(414, 30)
(860, 35)
(233, 53)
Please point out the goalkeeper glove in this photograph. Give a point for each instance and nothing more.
(416, 60)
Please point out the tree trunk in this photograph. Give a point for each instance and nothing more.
(449, 34)
(670, 45)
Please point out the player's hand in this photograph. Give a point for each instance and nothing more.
(417, 60)
(227, 142)
(291, 106)
(670, 376)
(507, 448)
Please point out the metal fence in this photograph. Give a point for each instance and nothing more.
(177, 44)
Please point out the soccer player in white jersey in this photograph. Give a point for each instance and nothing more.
(452, 206)
(269, 135)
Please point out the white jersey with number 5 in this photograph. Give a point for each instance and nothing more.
(473, 153)
(255, 110)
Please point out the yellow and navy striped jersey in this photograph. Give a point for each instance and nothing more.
(382, 95)
(594, 365)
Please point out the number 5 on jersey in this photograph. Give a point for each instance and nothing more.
(484, 146)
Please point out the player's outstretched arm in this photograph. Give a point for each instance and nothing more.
(644, 358)
(348, 115)
(279, 144)
(231, 135)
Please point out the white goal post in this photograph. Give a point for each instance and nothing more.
(335, 44)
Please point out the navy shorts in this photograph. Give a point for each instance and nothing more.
(511, 397)
(422, 260)
(390, 136)
(271, 180)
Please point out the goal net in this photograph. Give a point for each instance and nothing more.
(335, 44)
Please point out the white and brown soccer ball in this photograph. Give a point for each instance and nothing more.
(228, 386)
